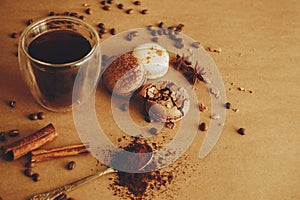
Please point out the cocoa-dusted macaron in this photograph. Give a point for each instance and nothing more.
(165, 101)
(124, 75)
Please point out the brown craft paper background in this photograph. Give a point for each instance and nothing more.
(260, 52)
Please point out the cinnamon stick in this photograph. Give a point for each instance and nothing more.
(72, 150)
(21, 147)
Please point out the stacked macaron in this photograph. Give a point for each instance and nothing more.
(164, 100)
(130, 71)
(154, 59)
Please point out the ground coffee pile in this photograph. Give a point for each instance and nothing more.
(139, 185)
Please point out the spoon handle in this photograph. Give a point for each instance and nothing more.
(50, 195)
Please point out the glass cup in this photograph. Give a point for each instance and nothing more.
(51, 79)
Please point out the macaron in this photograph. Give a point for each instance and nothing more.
(154, 58)
(165, 101)
(124, 75)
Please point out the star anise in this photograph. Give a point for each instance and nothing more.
(194, 74)
(180, 62)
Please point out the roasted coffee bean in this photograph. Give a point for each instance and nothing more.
(179, 45)
(148, 119)
(113, 31)
(241, 131)
(28, 172)
(106, 8)
(129, 11)
(35, 177)
(154, 131)
(13, 133)
(103, 2)
(14, 35)
(145, 11)
(2, 136)
(12, 103)
(196, 45)
(159, 32)
(124, 107)
(134, 33)
(74, 14)
(160, 25)
(179, 26)
(41, 115)
(110, 1)
(103, 31)
(154, 33)
(61, 197)
(51, 13)
(71, 165)
(154, 39)
(88, 11)
(137, 3)
(165, 31)
(227, 105)
(129, 37)
(81, 17)
(28, 22)
(30, 164)
(203, 126)
(66, 13)
(150, 27)
(33, 116)
(101, 25)
(120, 6)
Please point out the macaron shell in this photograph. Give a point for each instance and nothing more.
(124, 75)
(154, 58)
(165, 101)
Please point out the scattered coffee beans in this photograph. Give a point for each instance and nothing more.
(110, 1)
(35, 177)
(145, 11)
(129, 11)
(203, 126)
(2, 136)
(30, 164)
(28, 172)
(107, 8)
(41, 115)
(14, 35)
(154, 39)
(113, 31)
(88, 11)
(33, 116)
(12, 103)
(196, 45)
(154, 131)
(13, 133)
(101, 25)
(28, 22)
(160, 24)
(120, 6)
(137, 3)
(241, 131)
(71, 165)
(102, 2)
(124, 107)
(227, 105)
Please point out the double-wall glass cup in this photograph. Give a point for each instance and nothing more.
(54, 52)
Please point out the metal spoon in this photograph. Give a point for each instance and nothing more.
(52, 194)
